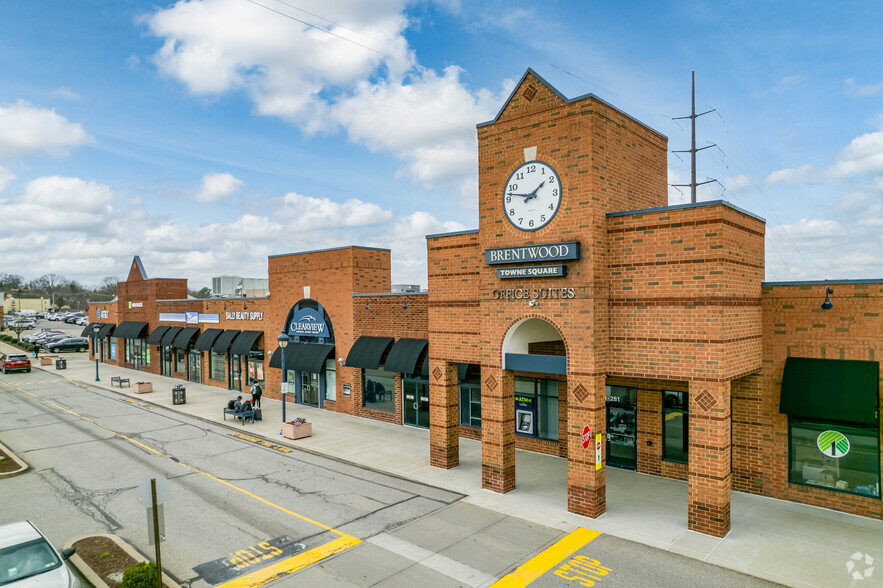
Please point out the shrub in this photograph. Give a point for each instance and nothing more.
(140, 575)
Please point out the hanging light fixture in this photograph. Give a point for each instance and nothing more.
(826, 305)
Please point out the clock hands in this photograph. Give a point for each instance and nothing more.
(530, 195)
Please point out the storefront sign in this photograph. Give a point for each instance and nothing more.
(307, 323)
(136, 305)
(548, 252)
(598, 452)
(244, 316)
(189, 317)
(833, 444)
(534, 271)
(533, 293)
(587, 437)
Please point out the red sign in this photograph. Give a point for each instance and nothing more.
(587, 437)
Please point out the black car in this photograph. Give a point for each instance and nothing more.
(68, 344)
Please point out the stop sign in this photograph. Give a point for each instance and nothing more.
(587, 437)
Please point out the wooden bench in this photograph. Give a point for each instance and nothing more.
(243, 416)
(119, 381)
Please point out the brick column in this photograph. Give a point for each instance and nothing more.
(586, 485)
(444, 415)
(710, 475)
(497, 429)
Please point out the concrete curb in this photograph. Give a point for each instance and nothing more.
(23, 467)
(131, 551)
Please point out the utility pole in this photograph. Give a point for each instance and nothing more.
(693, 150)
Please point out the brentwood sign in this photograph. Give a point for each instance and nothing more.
(548, 252)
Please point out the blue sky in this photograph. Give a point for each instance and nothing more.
(205, 135)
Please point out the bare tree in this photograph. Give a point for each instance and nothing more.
(18, 329)
(108, 287)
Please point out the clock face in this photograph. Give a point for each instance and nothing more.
(532, 195)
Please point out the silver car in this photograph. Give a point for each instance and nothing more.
(28, 559)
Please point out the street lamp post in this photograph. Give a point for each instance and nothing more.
(283, 343)
(95, 330)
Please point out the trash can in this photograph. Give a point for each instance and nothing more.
(60, 364)
(179, 395)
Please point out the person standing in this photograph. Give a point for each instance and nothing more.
(256, 393)
(36, 351)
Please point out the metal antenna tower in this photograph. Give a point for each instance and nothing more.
(693, 150)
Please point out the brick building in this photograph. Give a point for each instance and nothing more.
(584, 318)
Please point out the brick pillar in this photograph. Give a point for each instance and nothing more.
(497, 429)
(710, 475)
(586, 485)
(444, 415)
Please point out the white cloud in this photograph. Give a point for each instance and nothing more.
(739, 183)
(309, 214)
(358, 73)
(60, 204)
(66, 93)
(863, 156)
(6, 176)
(217, 186)
(27, 130)
(855, 89)
(797, 175)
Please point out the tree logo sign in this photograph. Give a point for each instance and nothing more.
(833, 444)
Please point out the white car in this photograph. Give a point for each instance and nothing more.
(28, 559)
(83, 321)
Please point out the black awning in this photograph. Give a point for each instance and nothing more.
(244, 342)
(204, 343)
(131, 330)
(87, 331)
(156, 336)
(222, 343)
(404, 355)
(106, 330)
(367, 352)
(184, 337)
(830, 389)
(169, 336)
(302, 357)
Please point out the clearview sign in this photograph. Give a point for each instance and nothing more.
(533, 253)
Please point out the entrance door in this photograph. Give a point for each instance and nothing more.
(166, 361)
(622, 435)
(235, 372)
(195, 373)
(416, 403)
(309, 388)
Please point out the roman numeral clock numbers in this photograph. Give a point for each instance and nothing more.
(532, 195)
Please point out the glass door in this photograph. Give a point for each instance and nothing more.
(622, 435)
(416, 403)
(235, 372)
(309, 388)
(195, 374)
(166, 361)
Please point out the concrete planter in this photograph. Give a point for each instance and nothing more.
(290, 431)
(142, 387)
(45, 361)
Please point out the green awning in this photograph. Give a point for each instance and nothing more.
(831, 389)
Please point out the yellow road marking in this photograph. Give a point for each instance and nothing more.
(545, 561)
(292, 564)
(264, 575)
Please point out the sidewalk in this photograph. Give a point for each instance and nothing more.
(784, 542)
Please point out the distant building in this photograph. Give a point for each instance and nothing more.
(227, 286)
(405, 288)
(14, 303)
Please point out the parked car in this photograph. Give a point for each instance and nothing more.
(28, 559)
(22, 322)
(39, 336)
(72, 319)
(8, 363)
(67, 344)
(82, 321)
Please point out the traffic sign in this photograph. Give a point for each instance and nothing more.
(587, 437)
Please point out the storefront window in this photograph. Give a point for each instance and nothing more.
(379, 390)
(536, 408)
(180, 361)
(145, 352)
(127, 350)
(674, 426)
(833, 456)
(113, 349)
(217, 366)
(330, 379)
(255, 368)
